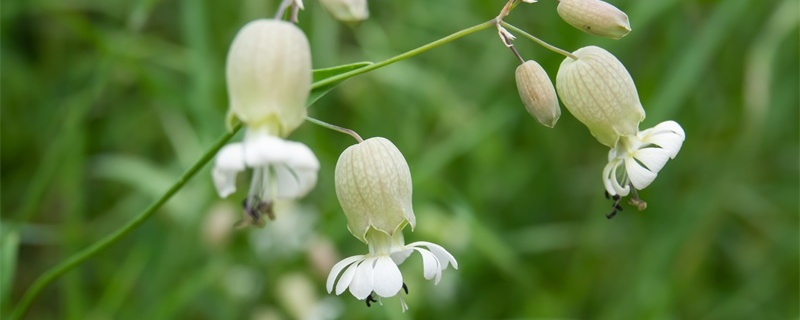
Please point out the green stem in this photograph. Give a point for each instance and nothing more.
(539, 41)
(74, 260)
(335, 128)
(405, 55)
(53, 273)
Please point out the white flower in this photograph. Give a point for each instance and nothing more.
(642, 156)
(281, 170)
(377, 271)
(268, 72)
(373, 184)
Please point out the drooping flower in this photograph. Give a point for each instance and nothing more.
(641, 156)
(373, 184)
(269, 78)
(598, 90)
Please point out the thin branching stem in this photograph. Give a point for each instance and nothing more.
(335, 128)
(406, 55)
(539, 41)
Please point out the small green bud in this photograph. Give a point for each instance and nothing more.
(595, 17)
(598, 90)
(537, 93)
(373, 184)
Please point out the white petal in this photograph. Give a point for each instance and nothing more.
(639, 176)
(430, 265)
(263, 150)
(337, 268)
(444, 257)
(362, 283)
(294, 164)
(607, 177)
(229, 162)
(301, 157)
(346, 279)
(400, 256)
(652, 158)
(668, 135)
(615, 185)
(387, 278)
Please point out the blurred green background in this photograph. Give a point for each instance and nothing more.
(106, 103)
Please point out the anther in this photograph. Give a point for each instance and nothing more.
(615, 207)
(370, 298)
(405, 288)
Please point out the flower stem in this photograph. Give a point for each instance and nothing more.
(539, 41)
(74, 260)
(405, 55)
(335, 128)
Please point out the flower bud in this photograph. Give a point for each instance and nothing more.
(347, 10)
(269, 75)
(595, 17)
(373, 184)
(598, 90)
(537, 93)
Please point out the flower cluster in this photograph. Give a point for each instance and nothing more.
(598, 90)
(269, 79)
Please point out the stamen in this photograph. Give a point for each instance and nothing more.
(405, 288)
(614, 207)
(254, 207)
(370, 298)
(636, 201)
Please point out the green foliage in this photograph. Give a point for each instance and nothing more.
(322, 74)
(105, 104)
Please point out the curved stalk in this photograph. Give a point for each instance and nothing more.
(76, 259)
(406, 55)
(539, 41)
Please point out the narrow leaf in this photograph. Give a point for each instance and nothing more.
(9, 244)
(322, 74)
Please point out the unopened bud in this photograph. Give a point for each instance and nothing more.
(269, 75)
(598, 90)
(595, 17)
(373, 184)
(347, 10)
(537, 93)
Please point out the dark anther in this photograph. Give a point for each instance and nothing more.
(614, 207)
(257, 207)
(370, 299)
(608, 196)
(405, 288)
